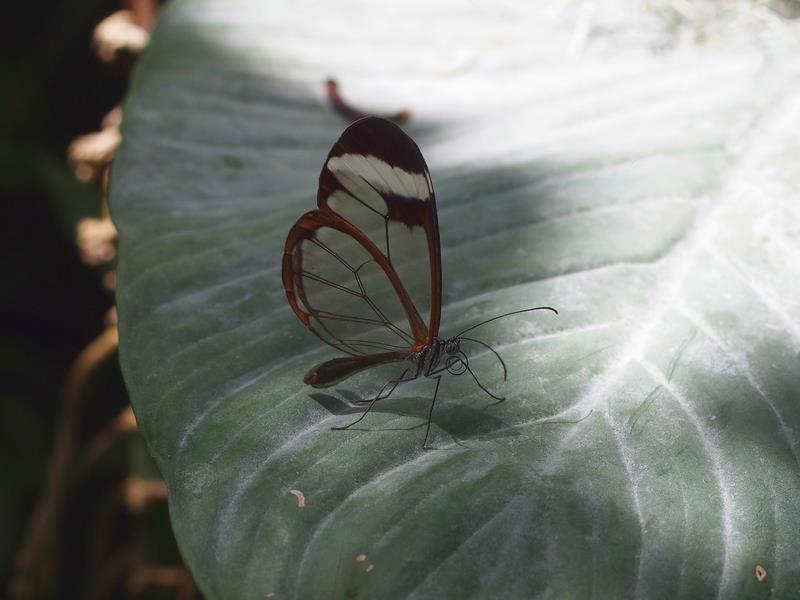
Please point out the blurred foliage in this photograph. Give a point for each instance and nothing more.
(51, 305)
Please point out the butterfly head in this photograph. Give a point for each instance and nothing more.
(457, 361)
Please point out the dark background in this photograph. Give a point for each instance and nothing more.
(52, 89)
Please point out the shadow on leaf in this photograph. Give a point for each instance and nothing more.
(453, 417)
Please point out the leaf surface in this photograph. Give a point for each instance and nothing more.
(583, 157)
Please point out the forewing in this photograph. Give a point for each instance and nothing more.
(376, 179)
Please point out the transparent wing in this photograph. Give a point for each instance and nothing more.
(337, 284)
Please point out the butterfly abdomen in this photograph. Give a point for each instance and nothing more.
(333, 371)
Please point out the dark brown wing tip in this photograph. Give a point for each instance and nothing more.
(383, 139)
(374, 122)
(311, 377)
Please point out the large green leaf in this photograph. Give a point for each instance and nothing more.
(584, 157)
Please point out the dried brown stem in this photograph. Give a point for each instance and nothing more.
(99, 542)
(186, 587)
(37, 559)
(123, 425)
(141, 493)
(145, 11)
(103, 582)
(135, 495)
(350, 113)
(145, 576)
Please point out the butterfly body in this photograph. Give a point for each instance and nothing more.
(430, 358)
(424, 362)
(363, 271)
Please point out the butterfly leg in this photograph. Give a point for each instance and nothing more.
(467, 369)
(394, 383)
(430, 410)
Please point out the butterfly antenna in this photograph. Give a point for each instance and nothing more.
(493, 351)
(516, 312)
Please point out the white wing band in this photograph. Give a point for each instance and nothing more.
(379, 174)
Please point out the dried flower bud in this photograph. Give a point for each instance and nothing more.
(96, 241)
(145, 11)
(119, 34)
(113, 118)
(140, 493)
(110, 281)
(111, 317)
(143, 577)
(90, 154)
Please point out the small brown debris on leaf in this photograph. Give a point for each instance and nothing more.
(301, 498)
(761, 573)
(361, 558)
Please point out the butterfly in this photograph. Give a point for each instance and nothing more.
(363, 271)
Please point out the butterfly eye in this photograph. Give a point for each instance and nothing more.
(457, 364)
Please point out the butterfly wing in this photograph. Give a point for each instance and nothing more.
(363, 272)
(337, 287)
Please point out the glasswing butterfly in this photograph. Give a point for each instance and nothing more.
(363, 271)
